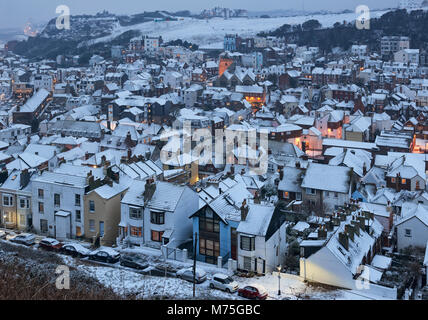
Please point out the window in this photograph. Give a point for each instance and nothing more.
(403, 181)
(209, 222)
(41, 208)
(57, 200)
(135, 213)
(92, 225)
(408, 233)
(157, 217)
(392, 180)
(336, 195)
(91, 206)
(209, 247)
(311, 191)
(298, 196)
(24, 203)
(136, 232)
(43, 226)
(286, 195)
(78, 216)
(77, 200)
(247, 243)
(7, 200)
(78, 232)
(41, 193)
(327, 194)
(157, 236)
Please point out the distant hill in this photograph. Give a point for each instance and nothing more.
(399, 22)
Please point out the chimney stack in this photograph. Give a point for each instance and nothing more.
(90, 178)
(322, 232)
(244, 210)
(344, 240)
(349, 230)
(391, 216)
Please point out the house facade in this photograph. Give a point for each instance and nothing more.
(58, 205)
(103, 213)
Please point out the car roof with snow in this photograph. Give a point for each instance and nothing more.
(50, 240)
(25, 235)
(77, 246)
(109, 251)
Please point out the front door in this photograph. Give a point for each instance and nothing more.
(62, 230)
(101, 229)
(234, 243)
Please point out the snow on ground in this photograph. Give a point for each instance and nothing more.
(147, 287)
(124, 281)
(210, 33)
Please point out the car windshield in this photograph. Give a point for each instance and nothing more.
(228, 280)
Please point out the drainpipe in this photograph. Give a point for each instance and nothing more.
(304, 268)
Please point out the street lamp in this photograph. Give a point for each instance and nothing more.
(279, 279)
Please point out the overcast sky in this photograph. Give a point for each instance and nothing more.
(16, 13)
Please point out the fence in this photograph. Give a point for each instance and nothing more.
(174, 253)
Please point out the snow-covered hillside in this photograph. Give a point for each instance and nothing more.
(210, 33)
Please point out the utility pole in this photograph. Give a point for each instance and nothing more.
(194, 265)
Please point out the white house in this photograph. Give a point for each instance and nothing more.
(191, 94)
(43, 81)
(157, 213)
(344, 259)
(261, 238)
(407, 56)
(173, 79)
(58, 206)
(327, 186)
(412, 228)
(359, 50)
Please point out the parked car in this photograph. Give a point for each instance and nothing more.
(253, 292)
(25, 239)
(105, 254)
(223, 282)
(2, 234)
(50, 244)
(187, 274)
(74, 250)
(133, 261)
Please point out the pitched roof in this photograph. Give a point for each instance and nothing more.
(257, 221)
(327, 178)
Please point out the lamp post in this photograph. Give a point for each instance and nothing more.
(279, 279)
